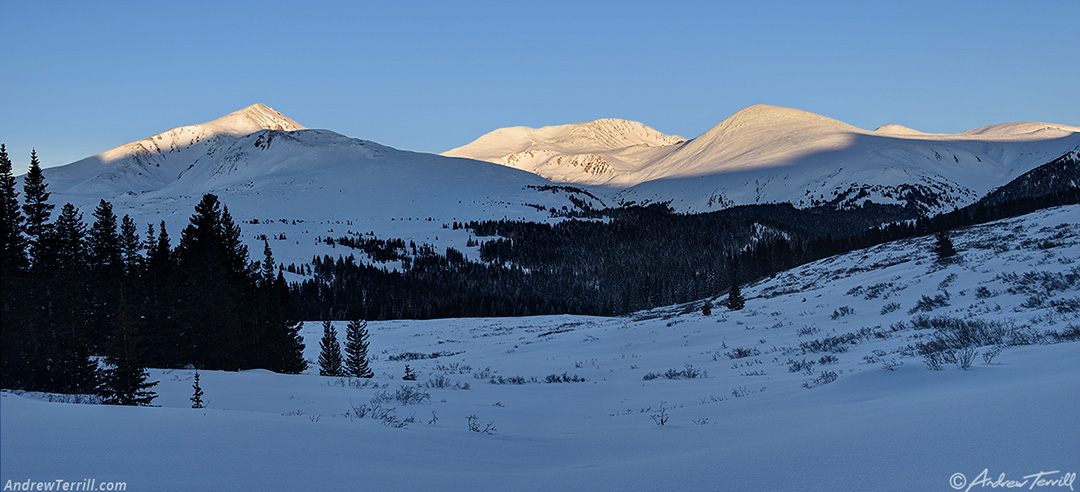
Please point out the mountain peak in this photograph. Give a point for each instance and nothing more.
(767, 115)
(236, 124)
(256, 117)
(893, 128)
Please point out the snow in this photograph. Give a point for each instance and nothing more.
(305, 185)
(268, 168)
(771, 154)
(872, 428)
(606, 151)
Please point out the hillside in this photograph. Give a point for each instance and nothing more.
(268, 168)
(816, 385)
(769, 154)
(608, 151)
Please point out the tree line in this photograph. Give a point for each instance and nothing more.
(618, 261)
(71, 293)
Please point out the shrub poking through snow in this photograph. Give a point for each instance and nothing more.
(825, 377)
(688, 372)
(841, 312)
(563, 378)
(474, 425)
(661, 416)
(991, 352)
(927, 304)
(965, 356)
(742, 353)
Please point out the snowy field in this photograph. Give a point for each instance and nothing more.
(816, 385)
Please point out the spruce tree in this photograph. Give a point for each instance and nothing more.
(267, 272)
(124, 380)
(130, 246)
(106, 273)
(735, 299)
(15, 338)
(164, 337)
(330, 363)
(60, 315)
(196, 397)
(12, 242)
(944, 247)
(293, 355)
(36, 204)
(356, 349)
(214, 291)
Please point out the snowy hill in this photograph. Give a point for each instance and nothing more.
(268, 168)
(816, 385)
(769, 154)
(607, 151)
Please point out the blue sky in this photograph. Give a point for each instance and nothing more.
(82, 77)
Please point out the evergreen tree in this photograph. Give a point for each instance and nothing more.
(292, 361)
(330, 363)
(64, 344)
(944, 247)
(409, 374)
(215, 291)
(267, 273)
(356, 349)
(36, 204)
(15, 336)
(124, 381)
(735, 299)
(130, 246)
(196, 397)
(12, 242)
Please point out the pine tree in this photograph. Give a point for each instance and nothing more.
(215, 291)
(196, 397)
(356, 349)
(106, 273)
(16, 339)
(64, 344)
(735, 299)
(944, 247)
(330, 363)
(36, 204)
(12, 242)
(293, 360)
(267, 273)
(409, 374)
(130, 245)
(124, 381)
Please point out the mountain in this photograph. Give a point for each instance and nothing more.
(155, 162)
(769, 154)
(268, 168)
(607, 151)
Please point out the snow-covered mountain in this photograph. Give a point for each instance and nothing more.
(607, 151)
(769, 154)
(266, 167)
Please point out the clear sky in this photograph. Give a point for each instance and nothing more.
(79, 78)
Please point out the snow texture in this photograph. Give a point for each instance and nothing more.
(748, 397)
(770, 154)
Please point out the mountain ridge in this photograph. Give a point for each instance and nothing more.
(773, 154)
